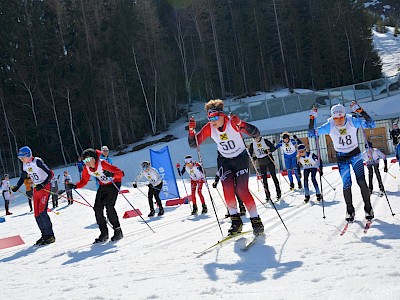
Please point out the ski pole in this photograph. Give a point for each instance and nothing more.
(184, 185)
(313, 124)
(56, 212)
(391, 174)
(70, 199)
(205, 179)
(333, 188)
(223, 200)
(273, 204)
(108, 222)
(118, 189)
(166, 192)
(276, 168)
(88, 204)
(370, 155)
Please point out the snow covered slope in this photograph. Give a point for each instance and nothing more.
(313, 261)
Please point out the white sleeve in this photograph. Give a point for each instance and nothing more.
(139, 176)
(380, 154)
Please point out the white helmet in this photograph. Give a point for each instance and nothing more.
(145, 164)
(338, 111)
(188, 159)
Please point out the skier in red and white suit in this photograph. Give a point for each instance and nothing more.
(232, 160)
(195, 171)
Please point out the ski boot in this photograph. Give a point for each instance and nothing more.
(278, 194)
(39, 241)
(117, 234)
(8, 213)
(204, 210)
(306, 199)
(267, 195)
(103, 237)
(48, 239)
(242, 210)
(194, 211)
(369, 215)
(152, 213)
(299, 185)
(292, 186)
(319, 197)
(161, 211)
(236, 226)
(350, 217)
(258, 227)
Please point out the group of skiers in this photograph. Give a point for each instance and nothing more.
(233, 160)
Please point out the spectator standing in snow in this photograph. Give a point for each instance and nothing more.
(54, 190)
(28, 190)
(394, 134)
(6, 190)
(67, 179)
(80, 166)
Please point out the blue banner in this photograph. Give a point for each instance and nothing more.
(161, 161)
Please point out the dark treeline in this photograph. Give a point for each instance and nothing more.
(80, 73)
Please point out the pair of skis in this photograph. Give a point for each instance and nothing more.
(366, 227)
(228, 238)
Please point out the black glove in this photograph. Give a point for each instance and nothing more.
(150, 185)
(108, 173)
(295, 137)
(214, 184)
(71, 185)
(14, 188)
(134, 185)
(39, 186)
(385, 169)
(179, 172)
(320, 171)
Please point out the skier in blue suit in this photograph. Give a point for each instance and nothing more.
(289, 146)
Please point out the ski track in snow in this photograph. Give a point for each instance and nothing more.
(312, 261)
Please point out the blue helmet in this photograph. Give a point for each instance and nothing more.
(25, 152)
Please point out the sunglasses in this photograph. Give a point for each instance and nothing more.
(213, 118)
(87, 159)
(338, 119)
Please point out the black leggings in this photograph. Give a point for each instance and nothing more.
(155, 191)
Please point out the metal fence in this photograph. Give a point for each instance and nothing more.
(278, 106)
